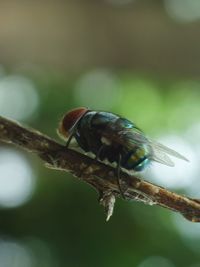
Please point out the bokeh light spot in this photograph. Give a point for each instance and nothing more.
(141, 102)
(183, 104)
(193, 134)
(156, 261)
(43, 253)
(189, 231)
(98, 89)
(183, 10)
(120, 2)
(14, 254)
(17, 180)
(18, 97)
(183, 173)
(186, 228)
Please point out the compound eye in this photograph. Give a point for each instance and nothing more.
(69, 120)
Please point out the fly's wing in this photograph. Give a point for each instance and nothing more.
(130, 138)
(125, 133)
(128, 135)
(156, 151)
(160, 153)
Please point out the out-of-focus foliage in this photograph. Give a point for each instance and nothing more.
(139, 59)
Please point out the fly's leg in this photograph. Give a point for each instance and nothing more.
(118, 177)
(69, 140)
(97, 155)
(118, 170)
(99, 152)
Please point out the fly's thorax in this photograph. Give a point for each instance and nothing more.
(124, 123)
(87, 134)
(100, 120)
(94, 126)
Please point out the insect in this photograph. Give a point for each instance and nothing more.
(109, 136)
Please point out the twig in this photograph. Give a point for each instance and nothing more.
(99, 175)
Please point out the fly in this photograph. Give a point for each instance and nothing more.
(109, 136)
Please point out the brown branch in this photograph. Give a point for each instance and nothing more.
(97, 174)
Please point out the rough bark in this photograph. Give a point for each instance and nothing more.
(101, 176)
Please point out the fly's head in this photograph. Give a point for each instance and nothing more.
(69, 121)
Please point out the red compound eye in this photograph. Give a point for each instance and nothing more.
(69, 120)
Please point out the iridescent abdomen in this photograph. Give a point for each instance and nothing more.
(136, 159)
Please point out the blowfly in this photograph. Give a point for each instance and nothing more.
(109, 136)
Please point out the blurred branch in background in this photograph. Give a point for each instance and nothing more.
(99, 175)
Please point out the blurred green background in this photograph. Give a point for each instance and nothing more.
(140, 59)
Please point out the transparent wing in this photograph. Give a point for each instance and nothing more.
(160, 153)
(132, 137)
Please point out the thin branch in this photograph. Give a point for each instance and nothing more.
(101, 176)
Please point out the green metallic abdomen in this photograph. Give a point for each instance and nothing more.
(135, 160)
